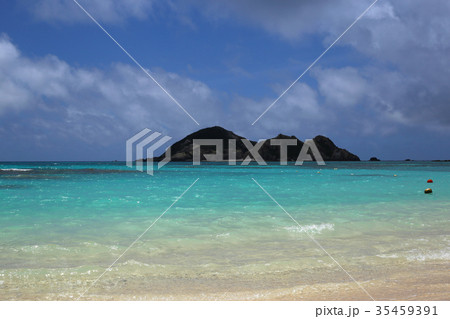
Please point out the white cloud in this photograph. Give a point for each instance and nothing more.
(406, 44)
(298, 112)
(342, 87)
(382, 10)
(8, 51)
(94, 105)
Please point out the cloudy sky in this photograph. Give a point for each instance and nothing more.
(68, 92)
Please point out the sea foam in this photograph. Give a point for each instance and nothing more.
(313, 228)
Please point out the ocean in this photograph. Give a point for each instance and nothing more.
(367, 230)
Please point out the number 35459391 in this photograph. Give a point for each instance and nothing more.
(406, 310)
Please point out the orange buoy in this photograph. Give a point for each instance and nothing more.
(430, 181)
(428, 191)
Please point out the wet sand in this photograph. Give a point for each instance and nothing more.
(411, 281)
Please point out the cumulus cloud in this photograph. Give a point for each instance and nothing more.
(299, 112)
(406, 44)
(96, 106)
(46, 99)
(341, 87)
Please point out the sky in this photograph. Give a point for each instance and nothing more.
(69, 93)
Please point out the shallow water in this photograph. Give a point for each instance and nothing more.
(63, 224)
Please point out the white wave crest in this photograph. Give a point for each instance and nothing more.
(223, 235)
(314, 228)
(15, 169)
(416, 255)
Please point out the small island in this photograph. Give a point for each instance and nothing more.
(182, 151)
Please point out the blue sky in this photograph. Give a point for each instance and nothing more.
(67, 92)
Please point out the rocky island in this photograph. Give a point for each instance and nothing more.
(182, 151)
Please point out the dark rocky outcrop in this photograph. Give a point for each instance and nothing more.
(330, 152)
(374, 159)
(271, 153)
(182, 151)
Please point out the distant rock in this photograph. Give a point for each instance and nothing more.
(374, 159)
(182, 151)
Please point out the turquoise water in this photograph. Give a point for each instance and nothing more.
(62, 224)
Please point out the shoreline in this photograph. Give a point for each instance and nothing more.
(413, 281)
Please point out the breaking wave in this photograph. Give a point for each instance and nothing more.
(314, 228)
